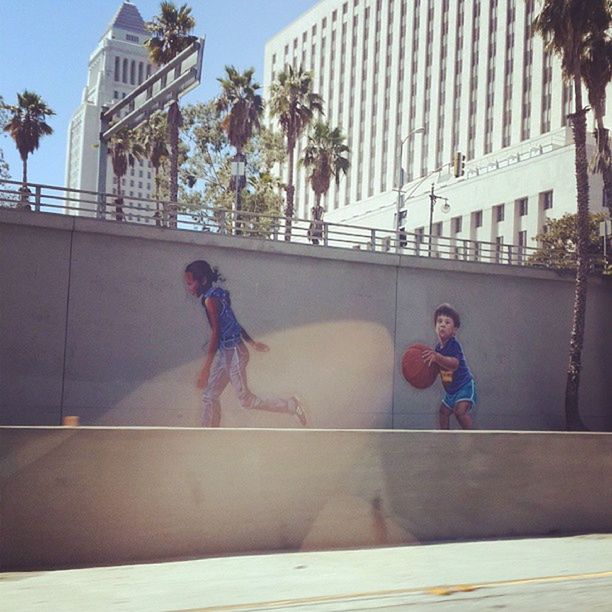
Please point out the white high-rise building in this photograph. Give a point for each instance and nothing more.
(119, 63)
(418, 81)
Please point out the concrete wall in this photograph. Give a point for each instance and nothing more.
(93, 496)
(96, 322)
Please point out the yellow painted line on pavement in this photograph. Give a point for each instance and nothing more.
(432, 590)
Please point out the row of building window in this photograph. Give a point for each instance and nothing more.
(360, 42)
(130, 72)
(522, 209)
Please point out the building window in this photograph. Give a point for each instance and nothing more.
(478, 218)
(117, 69)
(523, 207)
(547, 200)
(499, 213)
(457, 224)
(131, 38)
(124, 76)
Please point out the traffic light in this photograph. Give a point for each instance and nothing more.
(458, 164)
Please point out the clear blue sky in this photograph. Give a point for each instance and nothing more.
(45, 46)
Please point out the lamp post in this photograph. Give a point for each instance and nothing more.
(400, 181)
(433, 198)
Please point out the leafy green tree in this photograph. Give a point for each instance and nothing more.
(294, 104)
(124, 150)
(207, 170)
(27, 125)
(241, 106)
(153, 138)
(567, 26)
(264, 201)
(170, 34)
(558, 244)
(4, 167)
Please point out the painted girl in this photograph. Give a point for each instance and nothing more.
(227, 355)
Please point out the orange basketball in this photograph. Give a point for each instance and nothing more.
(415, 370)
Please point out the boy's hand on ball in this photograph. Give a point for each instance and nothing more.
(429, 356)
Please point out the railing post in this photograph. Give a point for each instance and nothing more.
(37, 198)
(325, 234)
(373, 239)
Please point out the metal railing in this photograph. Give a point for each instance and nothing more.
(244, 224)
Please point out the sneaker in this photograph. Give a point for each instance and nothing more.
(299, 411)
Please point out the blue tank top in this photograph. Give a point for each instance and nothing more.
(230, 332)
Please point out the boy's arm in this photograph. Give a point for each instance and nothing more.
(258, 346)
(446, 363)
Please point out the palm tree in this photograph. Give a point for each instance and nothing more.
(154, 143)
(293, 103)
(325, 154)
(124, 150)
(170, 34)
(27, 126)
(566, 26)
(243, 108)
(597, 73)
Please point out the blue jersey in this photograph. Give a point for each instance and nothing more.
(453, 381)
(230, 332)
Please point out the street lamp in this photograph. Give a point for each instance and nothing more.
(433, 198)
(400, 180)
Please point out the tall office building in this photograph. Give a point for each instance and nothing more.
(412, 82)
(119, 63)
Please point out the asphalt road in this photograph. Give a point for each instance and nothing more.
(572, 573)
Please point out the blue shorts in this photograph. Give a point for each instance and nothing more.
(467, 393)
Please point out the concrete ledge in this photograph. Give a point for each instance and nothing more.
(94, 496)
(88, 225)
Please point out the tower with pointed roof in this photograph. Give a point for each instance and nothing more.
(119, 63)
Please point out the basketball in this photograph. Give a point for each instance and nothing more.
(415, 370)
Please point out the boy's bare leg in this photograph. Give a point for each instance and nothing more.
(444, 417)
(461, 412)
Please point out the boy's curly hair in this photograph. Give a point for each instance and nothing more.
(448, 311)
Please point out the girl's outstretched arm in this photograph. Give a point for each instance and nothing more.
(258, 346)
(212, 311)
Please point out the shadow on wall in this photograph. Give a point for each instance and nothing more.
(341, 370)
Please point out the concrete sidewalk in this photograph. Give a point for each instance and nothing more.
(572, 573)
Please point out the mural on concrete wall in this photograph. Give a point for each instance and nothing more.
(227, 355)
(421, 366)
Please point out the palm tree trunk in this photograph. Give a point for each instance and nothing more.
(158, 214)
(290, 193)
(119, 215)
(578, 120)
(603, 150)
(24, 201)
(174, 119)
